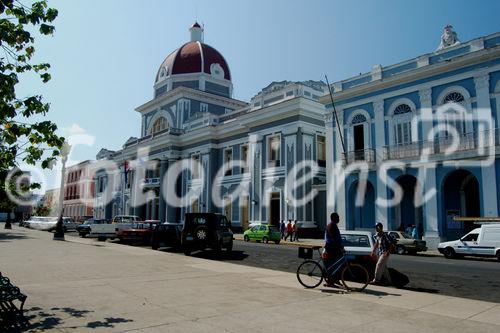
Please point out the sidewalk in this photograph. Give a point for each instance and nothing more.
(82, 285)
(321, 242)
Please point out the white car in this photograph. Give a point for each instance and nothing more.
(41, 223)
(480, 242)
(105, 231)
(49, 223)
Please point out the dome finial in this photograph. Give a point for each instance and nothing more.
(196, 32)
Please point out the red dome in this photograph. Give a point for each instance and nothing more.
(193, 57)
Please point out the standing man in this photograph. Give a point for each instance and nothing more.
(382, 247)
(289, 231)
(282, 229)
(296, 230)
(334, 249)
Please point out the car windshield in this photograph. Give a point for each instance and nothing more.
(405, 235)
(355, 240)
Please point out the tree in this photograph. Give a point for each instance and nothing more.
(21, 137)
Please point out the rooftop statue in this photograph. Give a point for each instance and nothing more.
(448, 38)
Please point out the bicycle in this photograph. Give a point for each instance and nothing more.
(311, 273)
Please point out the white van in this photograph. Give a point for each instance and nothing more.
(480, 242)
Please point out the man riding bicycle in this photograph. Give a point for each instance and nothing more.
(334, 249)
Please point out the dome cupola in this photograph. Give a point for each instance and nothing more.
(195, 65)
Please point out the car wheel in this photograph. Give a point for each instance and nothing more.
(449, 253)
(101, 239)
(229, 248)
(498, 255)
(265, 239)
(187, 252)
(246, 238)
(400, 249)
(154, 246)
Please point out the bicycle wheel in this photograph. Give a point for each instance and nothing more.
(355, 277)
(310, 274)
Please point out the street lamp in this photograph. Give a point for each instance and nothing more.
(59, 232)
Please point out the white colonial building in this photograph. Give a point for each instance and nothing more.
(193, 117)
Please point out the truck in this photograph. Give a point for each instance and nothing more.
(480, 242)
(109, 230)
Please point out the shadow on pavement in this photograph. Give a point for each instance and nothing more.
(38, 320)
(422, 290)
(213, 255)
(10, 236)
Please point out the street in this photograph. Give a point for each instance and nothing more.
(472, 278)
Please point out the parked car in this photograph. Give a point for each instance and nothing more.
(359, 245)
(166, 235)
(262, 233)
(105, 231)
(69, 223)
(84, 228)
(44, 223)
(480, 242)
(138, 232)
(206, 230)
(406, 243)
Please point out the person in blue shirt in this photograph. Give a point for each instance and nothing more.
(415, 234)
(334, 249)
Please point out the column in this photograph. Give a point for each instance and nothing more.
(171, 209)
(381, 214)
(427, 173)
(291, 149)
(255, 171)
(488, 175)
(162, 207)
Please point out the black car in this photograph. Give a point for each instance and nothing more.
(84, 228)
(166, 235)
(206, 230)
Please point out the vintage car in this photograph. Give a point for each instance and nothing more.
(166, 235)
(206, 230)
(84, 228)
(138, 232)
(105, 231)
(406, 244)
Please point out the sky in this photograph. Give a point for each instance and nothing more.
(105, 53)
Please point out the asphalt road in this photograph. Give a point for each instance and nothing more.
(468, 278)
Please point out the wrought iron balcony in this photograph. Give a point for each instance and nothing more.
(361, 155)
(469, 142)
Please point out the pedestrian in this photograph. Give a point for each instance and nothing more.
(282, 229)
(382, 248)
(289, 230)
(415, 233)
(334, 249)
(409, 229)
(296, 230)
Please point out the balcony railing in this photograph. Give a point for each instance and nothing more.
(151, 181)
(474, 141)
(362, 155)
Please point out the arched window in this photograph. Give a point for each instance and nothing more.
(454, 97)
(452, 118)
(358, 119)
(159, 125)
(402, 124)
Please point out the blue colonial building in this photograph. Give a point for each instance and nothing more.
(193, 117)
(428, 125)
